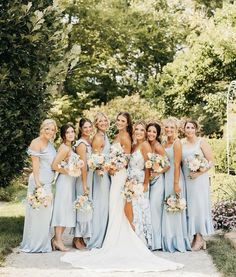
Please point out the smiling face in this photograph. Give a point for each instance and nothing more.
(121, 123)
(170, 129)
(102, 124)
(190, 130)
(151, 133)
(139, 132)
(48, 132)
(70, 135)
(86, 129)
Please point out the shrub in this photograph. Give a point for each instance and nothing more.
(138, 108)
(224, 215)
(30, 35)
(219, 150)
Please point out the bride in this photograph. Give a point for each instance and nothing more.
(122, 249)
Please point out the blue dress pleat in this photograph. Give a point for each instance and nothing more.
(174, 225)
(101, 189)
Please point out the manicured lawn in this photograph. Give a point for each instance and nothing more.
(223, 255)
(11, 227)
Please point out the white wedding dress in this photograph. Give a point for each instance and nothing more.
(122, 249)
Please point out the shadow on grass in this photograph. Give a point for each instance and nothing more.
(223, 255)
(11, 229)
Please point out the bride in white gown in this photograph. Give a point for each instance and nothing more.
(122, 249)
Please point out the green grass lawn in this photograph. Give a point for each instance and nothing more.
(11, 227)
(223, 255)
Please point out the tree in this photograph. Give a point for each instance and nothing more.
(32, 42)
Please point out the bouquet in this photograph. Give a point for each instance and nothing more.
(173, 203)
(97, 161)
(117, 158)
(74, 165)
(39, 197)
(132, 189)
(157, 162)
(196, 163)
(84, 208)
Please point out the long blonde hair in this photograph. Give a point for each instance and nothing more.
(140, 122)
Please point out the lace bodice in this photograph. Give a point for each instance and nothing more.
(136, 166)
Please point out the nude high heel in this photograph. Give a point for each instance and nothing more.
(58, 246)
(198, 245)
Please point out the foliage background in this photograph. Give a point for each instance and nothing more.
(68, 58)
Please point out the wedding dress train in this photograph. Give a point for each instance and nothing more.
(122, 249)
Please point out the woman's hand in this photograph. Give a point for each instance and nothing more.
(194, 175)
(177, 188)
(153, 174)
(86, 190)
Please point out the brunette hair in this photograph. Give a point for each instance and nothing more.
(158, 129)
(129, 122)
(194, 122)
(64, 128)
(82, 121)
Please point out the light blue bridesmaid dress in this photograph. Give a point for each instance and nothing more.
(36, 236)
(101, 188)
(156, 195)
(63, 210)
(84, 229)
(141, 206)
(174, 225)
(198, 196)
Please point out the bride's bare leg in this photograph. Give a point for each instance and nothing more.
(129, 213)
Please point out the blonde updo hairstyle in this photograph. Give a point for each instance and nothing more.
(140, 122)
(99, 116)
(47, 122)
(175, 122)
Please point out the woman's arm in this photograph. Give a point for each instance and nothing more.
(62, 154)
(81, 151)
(145, 149)
(208, 154)
(35, 146)
(159, 149)
(177, 162)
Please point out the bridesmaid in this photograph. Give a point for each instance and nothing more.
(63, 211)
(156, 191)
(36, 236)
(141, 208)
(174, 225)
(198, 194)
(83, 230)
(101, 184)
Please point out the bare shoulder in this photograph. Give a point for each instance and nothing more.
(36, 144)
(159, 148)
(64, 148)
(146, 146)
(98, 138)
(125, 138)
(177, 144)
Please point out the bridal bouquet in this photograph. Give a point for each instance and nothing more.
(39, 197)
(132, 189)
(98, 161)
(84, 208)
(117, 158)
(156, 162)
(74, 165)
(196, 163)
(173, 203)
